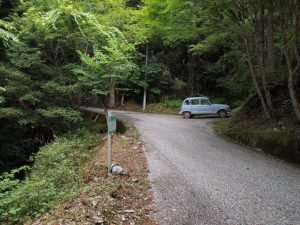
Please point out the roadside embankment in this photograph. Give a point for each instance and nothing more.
(69, 184)
(110, 199)
(55, 177)
(273, 138)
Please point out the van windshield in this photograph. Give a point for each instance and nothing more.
(187, 102)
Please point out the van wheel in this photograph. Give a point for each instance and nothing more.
(187, 115)
(222, 113)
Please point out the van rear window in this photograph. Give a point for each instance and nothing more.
(205, 101)
(194, 101)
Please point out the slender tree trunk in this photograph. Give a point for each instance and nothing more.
(285, 44)
(122, 98)
(265, 87)
(250, 64)
(291, 84)
(191, 76)
(296, 24)
(261, 56)
(267, 93)
(270, 61)
(112, 95)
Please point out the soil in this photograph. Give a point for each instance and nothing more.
(111, 199)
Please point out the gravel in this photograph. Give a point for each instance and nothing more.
(200, 178)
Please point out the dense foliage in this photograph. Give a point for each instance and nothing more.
(234, 48)
(58, 55)
(57, 175)
(47, 70)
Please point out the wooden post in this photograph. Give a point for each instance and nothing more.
(111, 129)
(145, 79)
(109, 145)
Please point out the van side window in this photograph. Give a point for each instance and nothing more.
(194, 101)
(187, 102)
(205, 101)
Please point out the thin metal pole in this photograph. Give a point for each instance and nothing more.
(109, 146)
(145, 79)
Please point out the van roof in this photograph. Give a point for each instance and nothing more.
(196, 97)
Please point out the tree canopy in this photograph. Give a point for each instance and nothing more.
(58, 55)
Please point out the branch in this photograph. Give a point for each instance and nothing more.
(298, 64)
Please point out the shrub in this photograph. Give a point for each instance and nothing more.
(55, 176)
(172, 103)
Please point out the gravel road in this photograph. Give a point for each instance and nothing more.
(200, 178)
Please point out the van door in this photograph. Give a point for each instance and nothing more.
(186, 106)
(206, 107)
(195, 103)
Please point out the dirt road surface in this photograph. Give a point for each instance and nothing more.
(200, 178)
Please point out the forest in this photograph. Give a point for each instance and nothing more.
(58, 55)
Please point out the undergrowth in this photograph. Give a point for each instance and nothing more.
(55, 177)
(172, 103)
(167, 106)
(277, 140)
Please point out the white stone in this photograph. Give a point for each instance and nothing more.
(123, 218)
(125, 138)
(117, 170)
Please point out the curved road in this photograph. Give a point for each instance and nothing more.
(200, 178)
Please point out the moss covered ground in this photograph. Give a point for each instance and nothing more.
(272, 137)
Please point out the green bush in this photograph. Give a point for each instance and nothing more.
(218, 100)
(172, 103)
(55, 176)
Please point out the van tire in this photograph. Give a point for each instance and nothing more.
(222, 113)
(187, 115)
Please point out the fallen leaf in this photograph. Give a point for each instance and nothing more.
(129, 210)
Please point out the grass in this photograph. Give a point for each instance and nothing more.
(69, 183)
(57, 174)
(55, 177)
(165, 107)
(106, 198)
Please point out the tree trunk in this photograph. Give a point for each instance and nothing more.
(249, 60)
(291, 84)
(112, 96)
(191, 76)
(261, 56)
(122, 98)
(292, 71)
(265, 86)
(267, 93)
(266, 90)
(270, 61)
